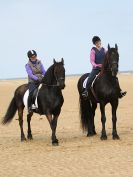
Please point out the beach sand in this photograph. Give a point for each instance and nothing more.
(76, 155)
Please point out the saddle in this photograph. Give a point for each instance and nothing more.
(92, 87)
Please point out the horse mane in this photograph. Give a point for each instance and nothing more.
(49, 76)
(105, 64)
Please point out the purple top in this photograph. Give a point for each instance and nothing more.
(31, 75)
(92, 59)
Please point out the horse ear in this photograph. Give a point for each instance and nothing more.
(54, 61)
(116, 47)
(62, 60)
(108, 47)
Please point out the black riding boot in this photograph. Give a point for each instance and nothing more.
(85, 93)
(121, 93)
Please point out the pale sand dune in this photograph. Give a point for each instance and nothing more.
(77, 155)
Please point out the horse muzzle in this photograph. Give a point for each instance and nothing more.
(61, 83)
(62, 86)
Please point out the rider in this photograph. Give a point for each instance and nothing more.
(96, 58)
(36, 72)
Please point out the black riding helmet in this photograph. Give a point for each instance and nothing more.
(31, 53)
(95, 39)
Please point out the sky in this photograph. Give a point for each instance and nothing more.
(62, 28)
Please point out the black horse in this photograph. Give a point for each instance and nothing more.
(106, 89)
(50, 100)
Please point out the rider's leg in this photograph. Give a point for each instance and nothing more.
(121, 93)
(34, 95)
(92, 75)
(31, 90)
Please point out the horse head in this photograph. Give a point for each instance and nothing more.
(113, 59)
(59, 73)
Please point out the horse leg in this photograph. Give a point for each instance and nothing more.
(29, 133)
(20, 114)
(103, 120)
(114, 105)
(94, 106)
(53, 124)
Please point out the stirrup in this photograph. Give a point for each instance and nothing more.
(33, 106)
(85, 94)
(29, 110)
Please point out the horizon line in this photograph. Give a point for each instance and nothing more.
(67, 75)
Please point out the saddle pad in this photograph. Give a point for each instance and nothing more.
(85, 82)
(94, 81)
(25, 98)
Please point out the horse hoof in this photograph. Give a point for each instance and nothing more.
(23, 139)
(116, 137)
(94, 133)
(104, 137)
(30, 137)
(55, 142)
(91, 134)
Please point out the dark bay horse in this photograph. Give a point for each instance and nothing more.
(106, 90)
(50, 100)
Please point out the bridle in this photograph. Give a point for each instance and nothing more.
(55, 85)
(110, 65)
(59, 79)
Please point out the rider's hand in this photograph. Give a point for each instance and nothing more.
(100, 65)
(40, 80)
(37, 82)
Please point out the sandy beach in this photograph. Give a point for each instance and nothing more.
(76, 155)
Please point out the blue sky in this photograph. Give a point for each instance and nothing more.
(62, 28)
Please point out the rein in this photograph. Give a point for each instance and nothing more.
(51, 85)
(54, 85)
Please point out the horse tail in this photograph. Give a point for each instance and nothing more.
(11, 111)
(85, 113)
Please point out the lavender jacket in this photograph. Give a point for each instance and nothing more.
(34, 70)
